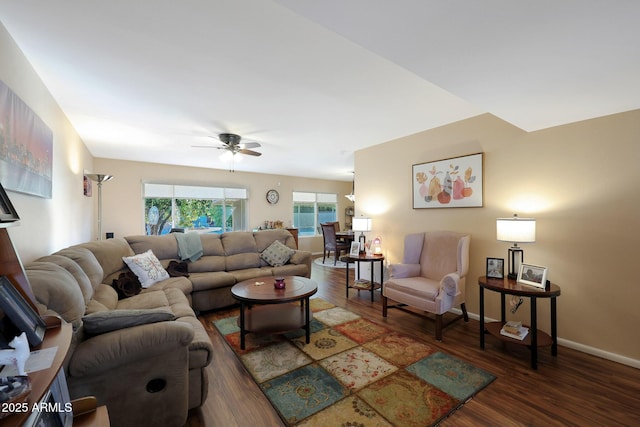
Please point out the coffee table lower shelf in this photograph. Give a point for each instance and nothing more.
(494, 328)
(274, 318)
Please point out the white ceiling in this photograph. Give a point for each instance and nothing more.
(315, 81)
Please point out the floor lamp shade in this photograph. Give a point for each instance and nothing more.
(99, 178)
(515, 230)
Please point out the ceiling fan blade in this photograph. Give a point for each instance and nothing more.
(250, 152)
(250, 144)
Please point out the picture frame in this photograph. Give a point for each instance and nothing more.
(355, 249)
(533, 275)
(20, 313)
(7, 212)
(495, 268)
(455, 182)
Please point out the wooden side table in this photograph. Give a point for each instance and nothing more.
(368, 285)
(535, 338)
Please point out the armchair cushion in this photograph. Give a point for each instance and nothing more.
(112, 320)
(398, 271)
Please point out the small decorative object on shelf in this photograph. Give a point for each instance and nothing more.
(16, 355)
(376, 246)
(515, 330)
(279, 283)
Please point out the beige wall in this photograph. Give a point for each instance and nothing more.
(47, 224)
(580, 181)
(123, 208)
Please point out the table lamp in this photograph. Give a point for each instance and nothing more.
(376, 246)
(515, 230)
(362, 224)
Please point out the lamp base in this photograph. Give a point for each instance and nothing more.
(516, 257)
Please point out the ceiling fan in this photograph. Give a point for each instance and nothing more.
(231, 143)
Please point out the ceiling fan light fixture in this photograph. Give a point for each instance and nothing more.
(229, 156)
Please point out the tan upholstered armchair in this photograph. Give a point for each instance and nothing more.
(431, 276)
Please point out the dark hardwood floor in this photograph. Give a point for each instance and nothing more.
(572, 389)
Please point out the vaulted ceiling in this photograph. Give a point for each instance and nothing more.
(315, 81)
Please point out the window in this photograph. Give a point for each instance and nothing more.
(312, 209)
(204, 209)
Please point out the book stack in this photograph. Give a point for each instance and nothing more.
(361, 284)
(514, 329)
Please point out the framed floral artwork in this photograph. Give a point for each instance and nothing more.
(449, 183)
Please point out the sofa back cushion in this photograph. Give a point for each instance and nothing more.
(56, 288)
(265, 238)
(164, 247)
(109, 254)
(87, 262)
(240, 250)
(213, 258)
(83, 281)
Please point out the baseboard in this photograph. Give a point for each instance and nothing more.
(574, 345)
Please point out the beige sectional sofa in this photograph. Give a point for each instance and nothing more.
(145, 356)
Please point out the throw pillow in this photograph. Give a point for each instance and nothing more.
(147, 267)
(112, 320)
(178, 269)
(127, 285)
(277, 254)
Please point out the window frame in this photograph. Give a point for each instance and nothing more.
(218, 196)
(313, 198)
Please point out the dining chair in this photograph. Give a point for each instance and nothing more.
(331, 243)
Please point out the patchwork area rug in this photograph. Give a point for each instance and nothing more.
(354, 372)
(328, 262)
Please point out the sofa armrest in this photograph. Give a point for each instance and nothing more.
(401, 271)
(108, 351)
(300, 257)
(450, 284)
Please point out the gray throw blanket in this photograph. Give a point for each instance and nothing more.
(189, 246)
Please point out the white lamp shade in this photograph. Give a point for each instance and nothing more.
(361, 224)
(516, 230)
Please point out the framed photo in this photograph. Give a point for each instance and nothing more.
(450, 183)
(7, 211)
(495, 268)
(533, 275)
(355, 249)
(20, 313)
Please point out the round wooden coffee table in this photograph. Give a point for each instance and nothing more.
(265, 309)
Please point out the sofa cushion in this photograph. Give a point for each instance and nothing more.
(56, 288)
(238, 242)
(87, 262)
(277, 254)
(107, 321)
(265, 237)
(74, 268)
(147, 267)
(109, 253)
(164, 247)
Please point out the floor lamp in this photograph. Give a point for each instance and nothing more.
(99, 178)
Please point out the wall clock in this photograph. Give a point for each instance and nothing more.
(273, 197)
